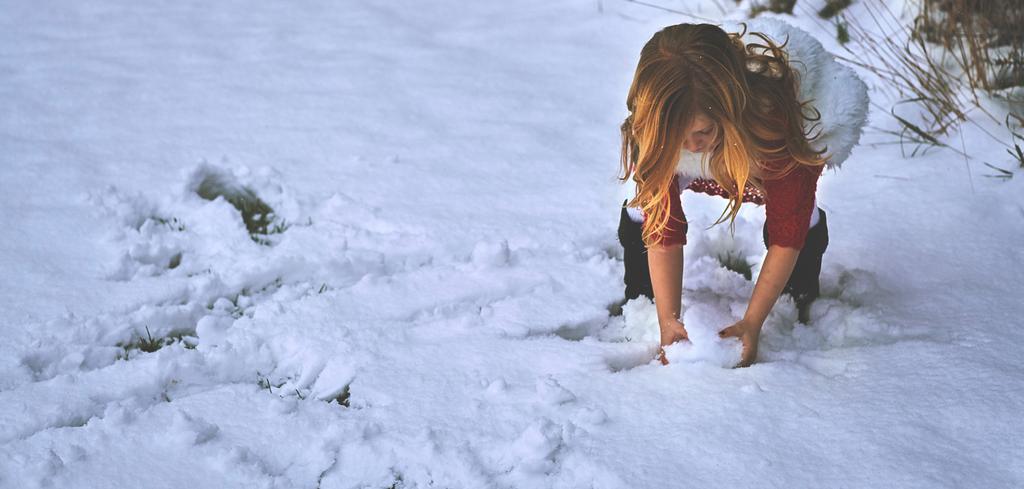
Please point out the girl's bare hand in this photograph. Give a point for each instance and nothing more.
(661, 356)
(670, 333)
(750, 335)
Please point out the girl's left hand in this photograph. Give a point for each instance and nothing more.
(750, 335)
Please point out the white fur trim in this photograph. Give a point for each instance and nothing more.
(635, 214)
(690, 165)
(834, 89)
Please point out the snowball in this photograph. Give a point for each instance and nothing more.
(496, 387)
(703, 323)
(333, 379)
(188, 431)
(534, 450)
(491, 254)
(212, 330)
(551, 392)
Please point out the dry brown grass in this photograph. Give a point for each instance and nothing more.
(778, 6)
(985, 38)
(942, 65)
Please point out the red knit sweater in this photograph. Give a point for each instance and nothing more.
(788, 202)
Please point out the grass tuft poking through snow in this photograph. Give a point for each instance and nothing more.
(736, 261)
(258, 216)
(149, 344)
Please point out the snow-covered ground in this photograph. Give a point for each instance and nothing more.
(438, 309)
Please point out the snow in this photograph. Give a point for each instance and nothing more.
(436, 308)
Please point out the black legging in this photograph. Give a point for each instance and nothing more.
(803, 284)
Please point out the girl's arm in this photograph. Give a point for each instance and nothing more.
(789, 202)
(666, 267)
(665, 263)
(775, 271)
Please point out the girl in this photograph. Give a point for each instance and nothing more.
(714, 114)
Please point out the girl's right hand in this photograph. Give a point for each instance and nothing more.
(671, 332)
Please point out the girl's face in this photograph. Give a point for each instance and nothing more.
(701, 134)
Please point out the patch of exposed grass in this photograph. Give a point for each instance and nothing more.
(777, 6)
(264, 383)
(842, 32)
(733, 260)
(171, 222)
(341, 398)
(258, 216)
(833, 7)
(399, 482)
(149, 344)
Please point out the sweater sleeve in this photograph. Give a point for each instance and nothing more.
(675, 230)
(789, 201)
(708, 186)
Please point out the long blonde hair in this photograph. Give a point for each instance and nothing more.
(749, 91)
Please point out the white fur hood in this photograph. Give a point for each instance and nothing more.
(834, 89)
